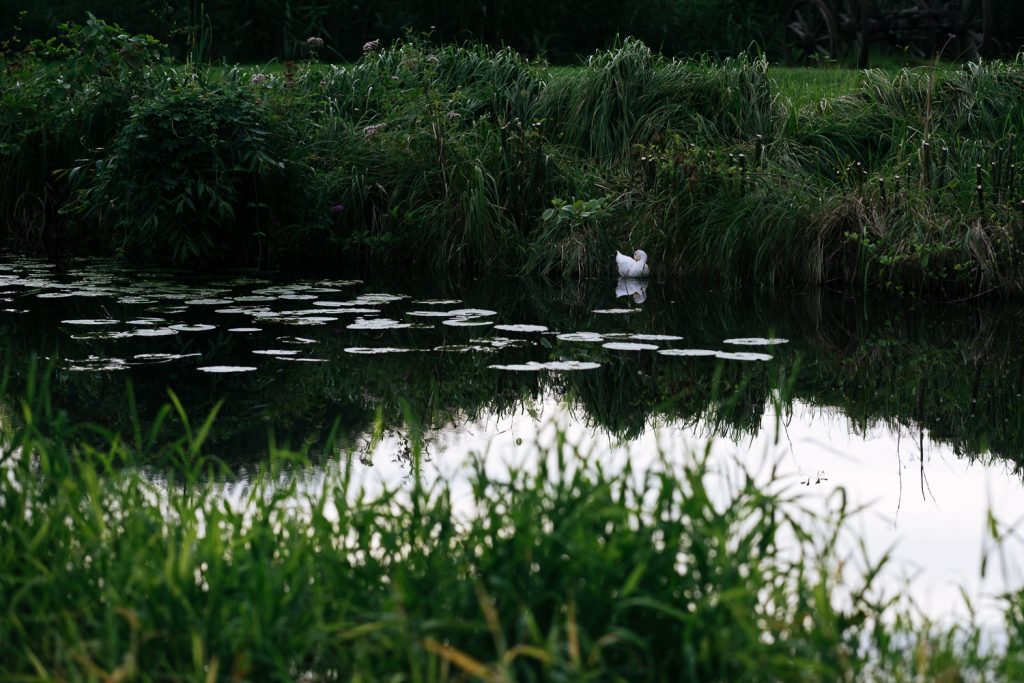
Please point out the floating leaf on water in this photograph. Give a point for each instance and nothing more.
(500, 342)
(55, 295)
(742, 355)
(655, 337)
(373, 350)
(250, 310)
(296, 340)
(616, 311)
(245, 329)
(581, 337)
(306, 320)
(226, 368)
(278, 290)
(521, 328)
(464, 348)
(254, 298)
(335, 304)
(629, 346)
(149, 332)
(276, 352)
(163, 357)
(97, 364)
(465, 322)
(91, 321)
(378, 324)
(532, 366)
(145, 322)
(437, 302)
(687, 352)
(571, 365)
(338, 283)
(297, 297)
(198, 327)
(381, 298)
(555, 365)
(472, 312)
(302, 360)
(431, 314)
(331, 311)
(757, 341)
(207, 302)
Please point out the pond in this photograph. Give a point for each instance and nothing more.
(915, 409)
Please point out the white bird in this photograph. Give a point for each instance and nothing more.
(632, 267)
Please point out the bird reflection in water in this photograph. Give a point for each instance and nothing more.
(635, 288)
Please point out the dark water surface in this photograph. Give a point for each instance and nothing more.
(916, 408)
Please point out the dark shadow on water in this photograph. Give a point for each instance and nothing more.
(956, 371)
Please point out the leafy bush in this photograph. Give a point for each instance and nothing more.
(188, 173)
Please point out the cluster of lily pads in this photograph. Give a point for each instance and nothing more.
(167, 304)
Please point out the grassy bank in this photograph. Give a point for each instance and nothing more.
(457, 159)
(568, 572)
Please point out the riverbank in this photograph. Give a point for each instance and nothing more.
(461, 159)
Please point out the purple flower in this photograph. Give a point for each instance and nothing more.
(337, 208)
(259, 78)
(370, 131)
(371, 46)
(314, 41)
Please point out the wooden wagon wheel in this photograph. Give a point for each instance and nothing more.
(812, 32)
(963, 31)
(974, 29)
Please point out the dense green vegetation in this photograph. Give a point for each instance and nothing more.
(566, 572)
(271, 29)
(460, 158)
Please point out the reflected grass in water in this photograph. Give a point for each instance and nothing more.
(561, 569)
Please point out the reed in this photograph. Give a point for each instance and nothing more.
(451, 158)
(566, 569)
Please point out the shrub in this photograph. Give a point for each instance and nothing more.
(188, 173)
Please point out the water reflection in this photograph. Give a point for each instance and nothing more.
(293, 356)
(634, 288)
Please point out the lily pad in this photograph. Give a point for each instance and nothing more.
(521, 328)
(374, 350)
(593, 337)
(378, 324)
(629, 346)
(687, 352)
(217, 369)
(757, 341)
(742, 355)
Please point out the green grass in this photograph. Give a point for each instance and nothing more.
(805, 85)
(459, 159)
(568, 571)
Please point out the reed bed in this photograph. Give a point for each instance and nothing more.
(462, 158)
(564, 570)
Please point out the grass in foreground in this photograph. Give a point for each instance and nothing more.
(570, 572)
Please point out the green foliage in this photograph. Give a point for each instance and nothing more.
(186, 176)
(566, 571)
(447, 157)
(97, 48)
